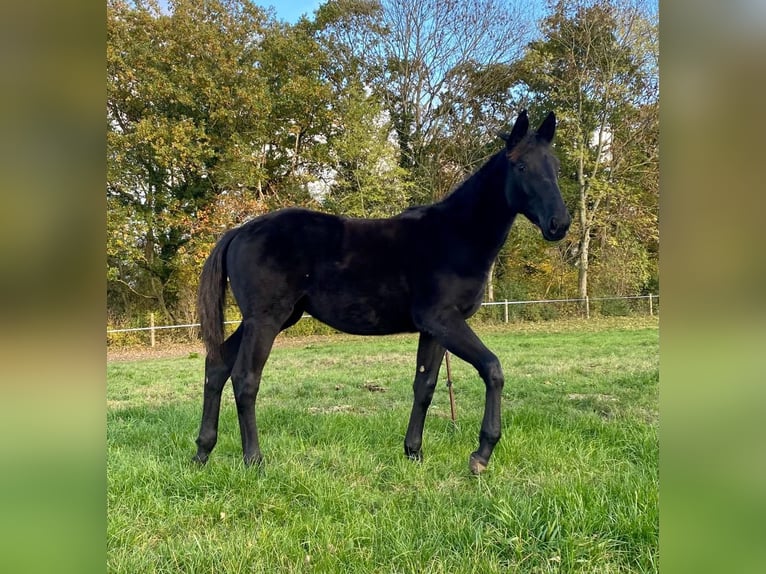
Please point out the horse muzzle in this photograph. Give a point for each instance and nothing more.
(557, 227)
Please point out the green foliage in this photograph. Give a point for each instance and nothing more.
(368, 180)
(182, 91)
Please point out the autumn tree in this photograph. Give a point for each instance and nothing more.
(185, 118)
(596, 65)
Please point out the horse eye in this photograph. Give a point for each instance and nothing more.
(520, 166)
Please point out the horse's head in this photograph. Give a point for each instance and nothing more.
(531, 186)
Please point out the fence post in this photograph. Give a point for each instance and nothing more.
(151, 327)
(506, 310)
(587, 307)
(651, 308)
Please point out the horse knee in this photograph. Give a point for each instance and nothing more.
(245, 397)
(493, 375)
(214, 384)
(245, 388)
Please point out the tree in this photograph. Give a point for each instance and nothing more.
(185, 109)
(367, 181)
(358, 174)
(596, 66)
(433, 55)
(301, 111)
(477, 106)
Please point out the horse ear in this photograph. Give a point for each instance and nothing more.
(520, 129)
(547, 128)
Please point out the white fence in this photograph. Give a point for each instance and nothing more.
(587, 300)
(651, 302)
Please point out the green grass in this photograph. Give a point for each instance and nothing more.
(571, 487)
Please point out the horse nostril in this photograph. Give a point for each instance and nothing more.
(554, 226)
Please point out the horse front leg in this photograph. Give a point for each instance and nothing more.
(216, 375)
(453, 333)
(489, 435)
(429, 359)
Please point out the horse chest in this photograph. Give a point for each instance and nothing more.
(464, 293)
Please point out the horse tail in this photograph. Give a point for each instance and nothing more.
(211, 296)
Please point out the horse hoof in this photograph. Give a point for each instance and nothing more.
(416, 455)
(253, 461)
(476, 465)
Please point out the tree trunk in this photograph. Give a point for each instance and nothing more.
(491, 282)
(582, 278)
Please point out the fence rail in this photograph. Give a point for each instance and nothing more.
(651, 298)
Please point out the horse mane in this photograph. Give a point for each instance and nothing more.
(414, 211)
(471, 189)
(465, 193)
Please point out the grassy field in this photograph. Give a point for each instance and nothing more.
(571, 487)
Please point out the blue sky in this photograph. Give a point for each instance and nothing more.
(289, 10)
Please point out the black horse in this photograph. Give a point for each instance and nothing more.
(423, 270)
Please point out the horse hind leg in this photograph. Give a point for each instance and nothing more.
(216, 375)
(257, 340)
(430, 354)
(294, 317)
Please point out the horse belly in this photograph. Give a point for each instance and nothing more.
(362, 308)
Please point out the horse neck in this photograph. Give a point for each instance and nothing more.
(480, 208)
